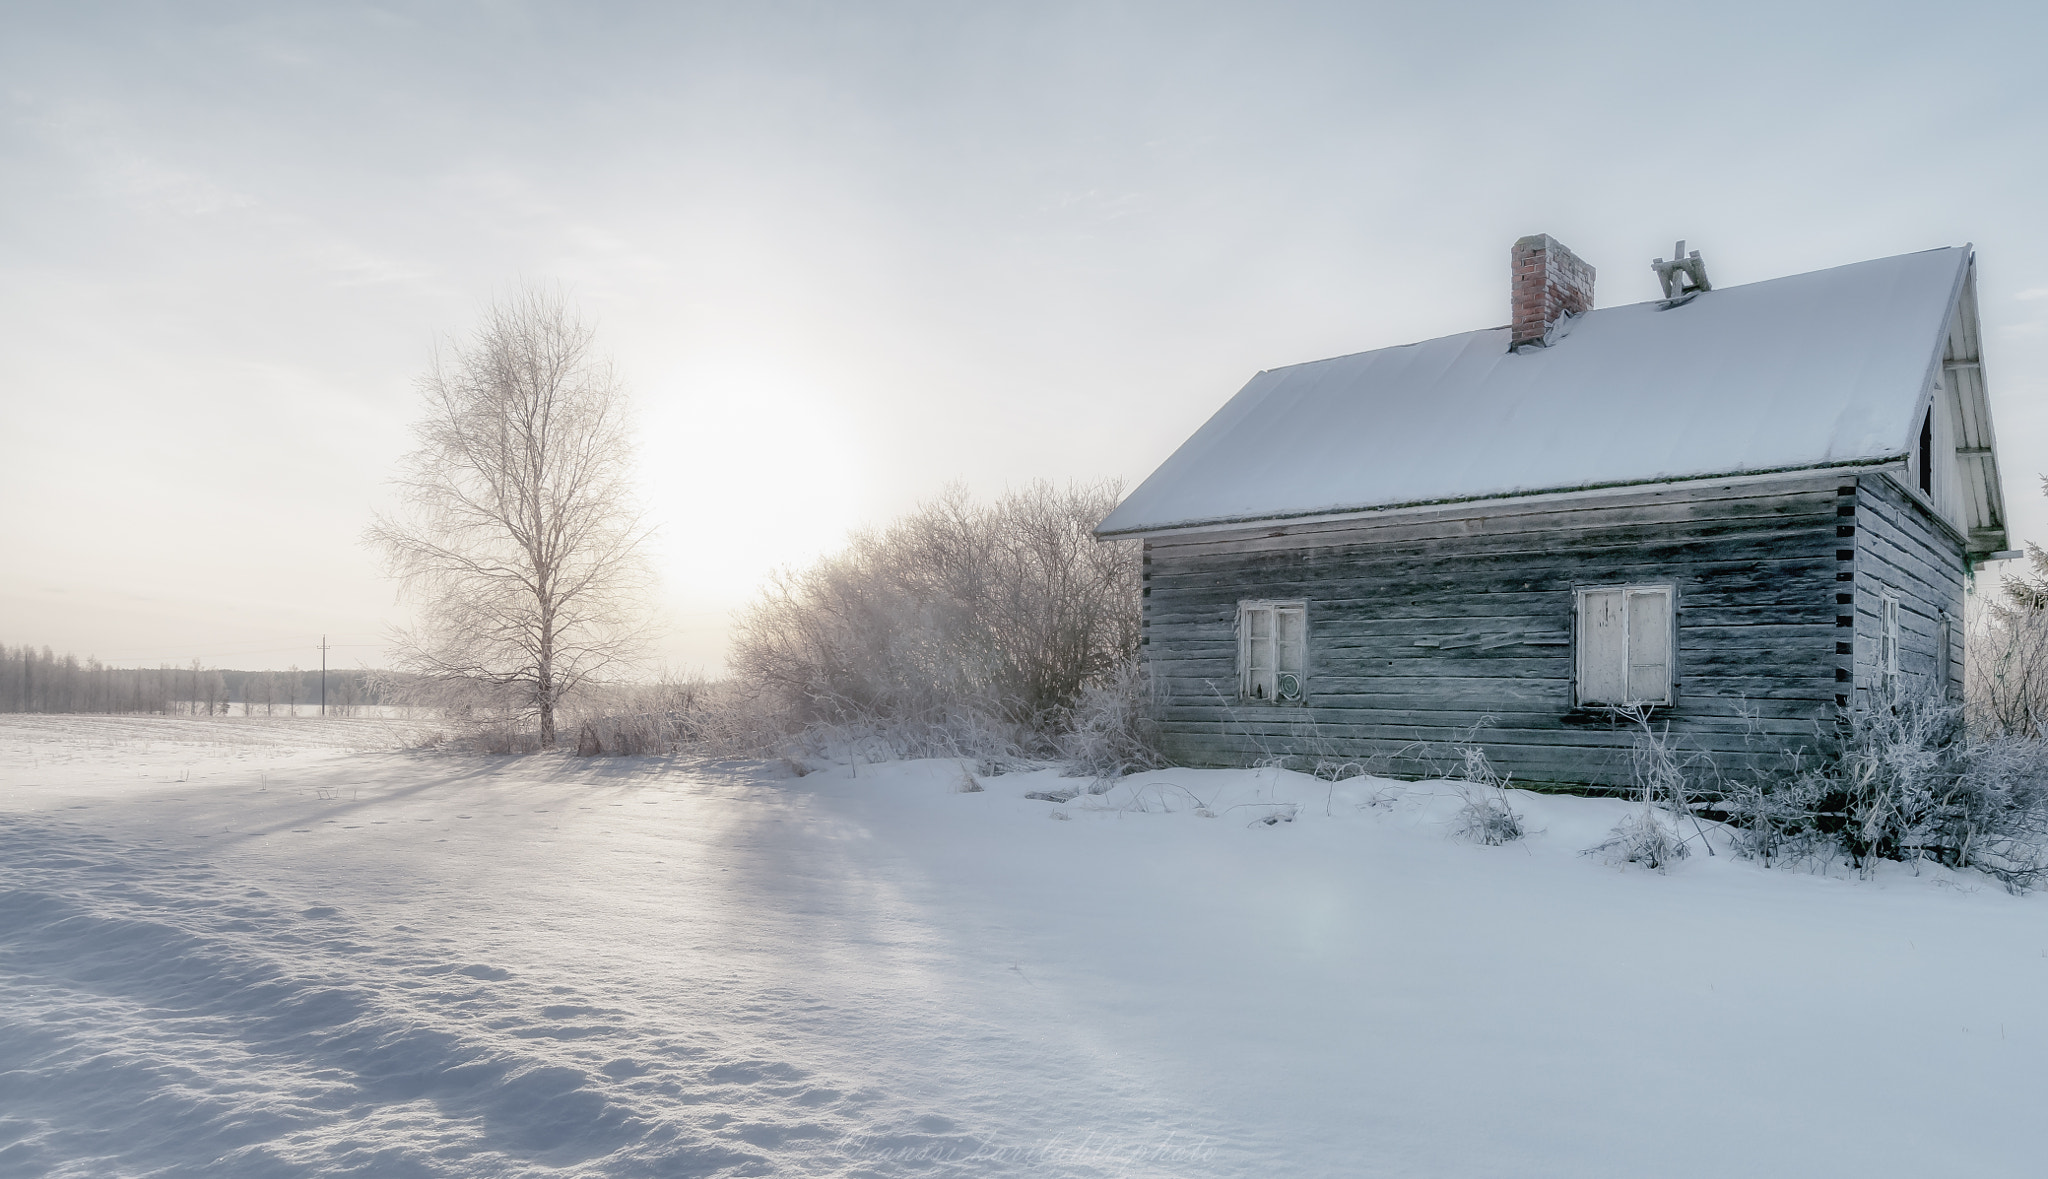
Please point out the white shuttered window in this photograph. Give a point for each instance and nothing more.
(1625, 645)
(1272, 650)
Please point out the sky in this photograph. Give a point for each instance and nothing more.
(844, 254)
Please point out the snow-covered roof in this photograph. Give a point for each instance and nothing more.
(1814, 370)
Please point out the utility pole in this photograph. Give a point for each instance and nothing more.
(323, 675)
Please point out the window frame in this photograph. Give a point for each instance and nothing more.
(1251, 677)
(1580, 650)
(1944, 642)
(1888, 635)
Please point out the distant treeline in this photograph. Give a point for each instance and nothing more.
(43, 681)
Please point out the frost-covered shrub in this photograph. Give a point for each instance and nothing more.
(1002, 632)
(1769, 819)
(494, 738)
(1907, 782)
(640, 719)
(2001, 822)
(1006, 610)
(1110, 733)
(2006, 673)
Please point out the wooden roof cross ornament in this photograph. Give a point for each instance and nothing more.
(1683, 277)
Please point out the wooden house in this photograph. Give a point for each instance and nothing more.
(1743, 508)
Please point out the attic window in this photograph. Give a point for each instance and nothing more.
(1625, 641)
(1272, 650)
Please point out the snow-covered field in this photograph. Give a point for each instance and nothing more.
(238, 947)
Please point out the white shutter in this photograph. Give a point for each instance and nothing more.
(1257, 623)
(1649, 646)
(1603, 647)
(1625, 652)
(1291, 638)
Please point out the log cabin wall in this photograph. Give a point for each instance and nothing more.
(1422, 626)
(1902, 547)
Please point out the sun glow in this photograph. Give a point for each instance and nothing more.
(749, 466)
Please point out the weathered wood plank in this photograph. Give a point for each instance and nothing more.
(1603, 511)
(1904, 549)
(1419, 628)
(1446, 562)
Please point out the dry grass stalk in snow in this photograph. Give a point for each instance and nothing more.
(1485, 815)
(1655, 833)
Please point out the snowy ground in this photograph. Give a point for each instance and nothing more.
(238, 947)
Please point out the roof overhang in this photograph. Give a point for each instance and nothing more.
(1958, 364)
(1517, 500)
(1832, 368)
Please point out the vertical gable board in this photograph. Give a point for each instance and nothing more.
(1649, 646)
(1603, 647)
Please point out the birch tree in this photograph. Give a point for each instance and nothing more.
(517, 537)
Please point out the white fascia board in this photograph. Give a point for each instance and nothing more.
(1994, 487)
(1935, 376)
(1533, 499)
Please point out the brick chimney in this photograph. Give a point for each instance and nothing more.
(1546, 281)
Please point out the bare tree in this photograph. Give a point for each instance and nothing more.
(346, 690)
(519, 539)
(2005, 665)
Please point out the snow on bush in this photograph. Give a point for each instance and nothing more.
(1908, 782)
(1109, 732)
(2005, 678)
(1000, 632)
(1006, 611)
